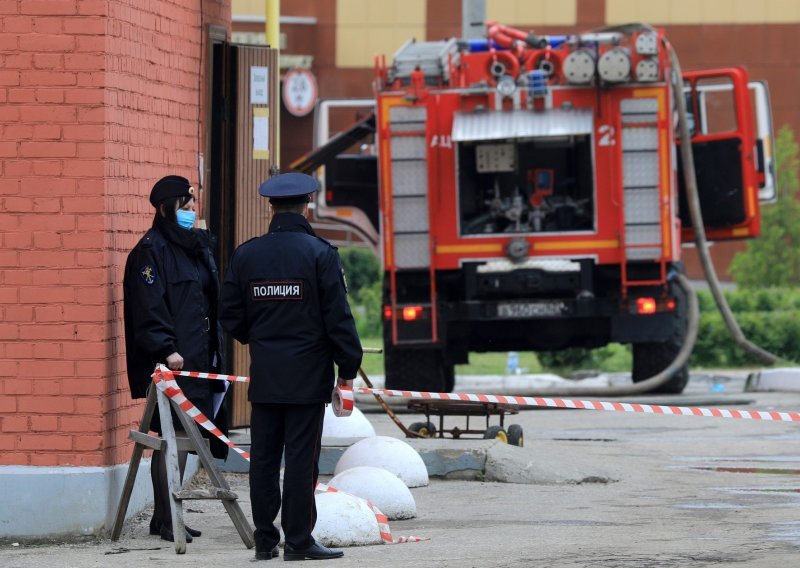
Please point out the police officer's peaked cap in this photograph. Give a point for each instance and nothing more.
(170, 186)
(285, 186)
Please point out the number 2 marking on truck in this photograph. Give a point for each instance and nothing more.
(606, 132)
(445, 141)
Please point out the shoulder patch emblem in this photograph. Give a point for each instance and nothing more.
(344, 281)
(148, 274)
(276, 290)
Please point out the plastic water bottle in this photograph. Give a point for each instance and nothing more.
(512, 362)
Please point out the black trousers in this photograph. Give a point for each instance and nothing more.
(294, 430)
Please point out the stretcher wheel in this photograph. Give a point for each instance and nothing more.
(515, 435)
(496, 433)
(425, 429)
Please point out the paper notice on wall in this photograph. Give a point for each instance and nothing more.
(259, 85)
(261, 133)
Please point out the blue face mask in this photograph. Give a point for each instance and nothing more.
(185, 218)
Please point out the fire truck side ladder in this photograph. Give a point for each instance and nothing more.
(642, 229)
(409, 217)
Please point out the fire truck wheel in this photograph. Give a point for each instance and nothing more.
(651, 358)
(449, 377)
(426, 429)
(414, 369)
(515, 437)
(496, 433)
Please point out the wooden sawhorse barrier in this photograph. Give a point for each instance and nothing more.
(169, 444)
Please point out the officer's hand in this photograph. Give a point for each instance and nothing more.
(340, 382)
(175, 362)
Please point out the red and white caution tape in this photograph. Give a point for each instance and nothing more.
(592, 405)
(557, 402)
(166, 383)
(343, 401)
(215, 376)
(164, 380)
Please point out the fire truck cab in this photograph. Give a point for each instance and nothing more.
(525, 193)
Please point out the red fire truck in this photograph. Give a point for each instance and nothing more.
(525, 193)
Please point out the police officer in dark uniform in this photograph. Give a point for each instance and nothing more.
(284, 294)
(171, 287)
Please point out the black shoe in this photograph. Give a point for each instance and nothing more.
(266, 554)
(166, 534)
(314, 552)
(193, 532)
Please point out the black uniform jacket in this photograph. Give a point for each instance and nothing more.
(284, 295)
(165, 310)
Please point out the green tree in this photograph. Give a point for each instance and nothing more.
(366, 305)
(365, 288)
(773, 259)
(361, 267)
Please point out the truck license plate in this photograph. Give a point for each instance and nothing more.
(530, 309)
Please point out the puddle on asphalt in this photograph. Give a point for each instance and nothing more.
(766, 470)
(746, 459)
(785, 532)
(759, 491)
(584, 440)
(707, 506)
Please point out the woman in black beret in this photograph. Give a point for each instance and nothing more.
(170, 293)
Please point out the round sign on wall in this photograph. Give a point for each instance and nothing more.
(299, 91)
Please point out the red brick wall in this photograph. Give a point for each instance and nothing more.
(99, 99)
(153, 85)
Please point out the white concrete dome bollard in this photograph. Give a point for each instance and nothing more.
(344, 520)
(354, 426)
(381, 488)
(391, 454)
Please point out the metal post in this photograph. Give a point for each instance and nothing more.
(473, 15)
(273, 16)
